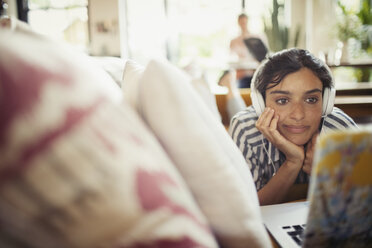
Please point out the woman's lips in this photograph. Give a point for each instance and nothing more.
(295, 129)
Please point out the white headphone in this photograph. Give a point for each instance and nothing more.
(258, 102)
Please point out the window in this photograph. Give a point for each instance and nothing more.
(180, 31)
(189, 31)
(63, 20)
(146, 29)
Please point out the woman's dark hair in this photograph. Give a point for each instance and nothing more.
(273, 69)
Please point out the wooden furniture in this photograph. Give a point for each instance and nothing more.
(353, 88)
(221, 100)
(366, 64)
(357, 107)
(355, 99)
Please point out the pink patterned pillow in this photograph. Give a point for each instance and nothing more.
(78, 169)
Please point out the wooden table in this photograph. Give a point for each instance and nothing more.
(365, 64)
(221, 101)
(357, 107)
(353, 88)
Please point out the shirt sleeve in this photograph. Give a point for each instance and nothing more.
(338, 120)
(247, 138)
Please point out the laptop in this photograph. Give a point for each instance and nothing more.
(338, 211)
(257, 48)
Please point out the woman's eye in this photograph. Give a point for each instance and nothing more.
(281, 101)
(312, 100)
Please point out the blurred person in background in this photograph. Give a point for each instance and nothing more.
(245, 60)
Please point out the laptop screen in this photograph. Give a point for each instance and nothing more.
(257, 48)
(340, 192)
(338, 212)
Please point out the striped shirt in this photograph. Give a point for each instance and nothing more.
(263, 158)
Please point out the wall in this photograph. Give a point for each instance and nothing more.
(324, 21)
(317, 19)
(104, 27)
(298, 18)
(12, 8)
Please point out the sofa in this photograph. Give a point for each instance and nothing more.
(86, 162)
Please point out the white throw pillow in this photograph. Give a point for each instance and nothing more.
(202, 87)
(77, 167)
(114, 66)
(204, 153)
(132, 73)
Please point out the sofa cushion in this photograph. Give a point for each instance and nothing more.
(114, 66)
(203, 152)
(132, 73)
(202, 88)
(78, 167)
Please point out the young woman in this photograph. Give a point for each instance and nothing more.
(292, 102)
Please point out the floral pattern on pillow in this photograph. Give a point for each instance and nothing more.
(78, 168)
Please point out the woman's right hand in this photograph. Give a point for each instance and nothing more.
(276, 190)
(267, 124)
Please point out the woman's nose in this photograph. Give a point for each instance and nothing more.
(298, 112)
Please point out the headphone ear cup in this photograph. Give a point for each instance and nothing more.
(328, 100)
(257, 99)
(258, 102)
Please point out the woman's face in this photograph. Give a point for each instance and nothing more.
(297, 99)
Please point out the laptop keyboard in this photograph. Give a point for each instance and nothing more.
(296, 232)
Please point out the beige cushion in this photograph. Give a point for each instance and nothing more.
(133, 72)
(203, 89)
(131, 75)
(203, 152)
(77, 168)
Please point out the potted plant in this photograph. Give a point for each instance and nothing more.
(365, 16)
(278, 35)
(348, 26)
